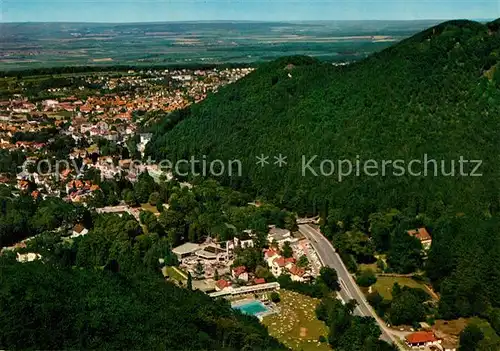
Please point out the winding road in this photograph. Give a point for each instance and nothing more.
(349, 289)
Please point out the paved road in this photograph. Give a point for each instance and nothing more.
(349, 290)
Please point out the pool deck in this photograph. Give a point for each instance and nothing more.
(243, 302)
(271, 307)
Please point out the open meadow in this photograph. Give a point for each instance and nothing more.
(296, 325)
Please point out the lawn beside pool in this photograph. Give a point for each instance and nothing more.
(296, 324)
(384, 285)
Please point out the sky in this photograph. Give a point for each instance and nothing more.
(253, 10)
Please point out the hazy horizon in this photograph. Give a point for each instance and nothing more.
(253, 21)
(156, 11)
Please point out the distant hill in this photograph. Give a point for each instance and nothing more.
(436, 93)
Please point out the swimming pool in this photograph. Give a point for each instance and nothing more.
(254, 308)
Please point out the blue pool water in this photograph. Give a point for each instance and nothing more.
(252, 308)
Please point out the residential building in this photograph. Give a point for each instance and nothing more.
(279, 235)
(240, 273)
(222, 284)
(297, 274)
(243, 243)
(280, 265)
(423, 235)
(270, 255)
(79, 230)
(28, 257)
(422, 339)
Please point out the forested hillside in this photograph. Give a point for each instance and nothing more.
(104, 290)
(437, 93)
(44, 307)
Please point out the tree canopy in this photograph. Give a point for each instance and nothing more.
(433, 98)
(62, 308)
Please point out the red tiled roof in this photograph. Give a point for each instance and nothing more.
(297, 271)
(239, 270)
(421, 337)
(421, 234)
(221, 284)
(260, 281)
(85, 108)
(270, 253)
(282, 262)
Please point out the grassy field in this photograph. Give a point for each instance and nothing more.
(384, 285)
(364, 267)
(150, 208)
(175, 273)
(491, 339)
(34, 46)
(296, 325)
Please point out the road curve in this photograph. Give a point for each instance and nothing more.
(349, 289)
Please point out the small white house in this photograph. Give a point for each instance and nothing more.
(79, 230)
(240, 273)
(243, 243)
(279, 235)
(28, 257)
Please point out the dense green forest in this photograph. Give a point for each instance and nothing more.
(434, 95)
(430, 94)
(104, 290)
(45, 307)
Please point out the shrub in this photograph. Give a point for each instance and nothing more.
(366, 278)
(275, 297)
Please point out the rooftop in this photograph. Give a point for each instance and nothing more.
(259, 281)
(421, 337)
(278, 234)
(78, 228)
(421, 234)
(186, 248)
(239, 270)
(221, 284)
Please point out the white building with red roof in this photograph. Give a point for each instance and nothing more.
(280, 264)
(222, 284)
(297, 274)
(240, 273)
(422, 339)
(270, 255)
(423, 235)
